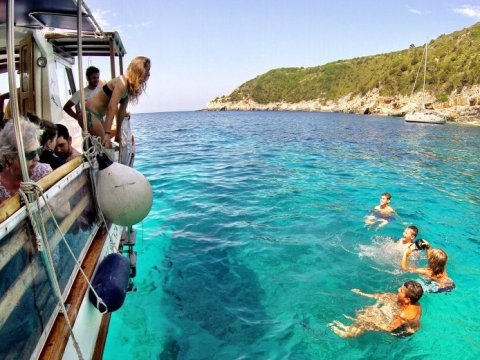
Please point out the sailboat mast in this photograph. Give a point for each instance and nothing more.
(424, 75)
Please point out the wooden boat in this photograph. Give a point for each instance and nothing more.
(422, 115)
(32, 325)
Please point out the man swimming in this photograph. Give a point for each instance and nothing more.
(399, 314)
(409, 235)
(382, 213)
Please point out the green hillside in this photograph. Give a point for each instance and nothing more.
(453, 62)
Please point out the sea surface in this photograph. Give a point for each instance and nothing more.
(257, 235)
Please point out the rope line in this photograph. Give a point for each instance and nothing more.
(34, 188)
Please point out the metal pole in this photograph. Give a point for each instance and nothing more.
(80, 68)
(425, 75)
(13, 90)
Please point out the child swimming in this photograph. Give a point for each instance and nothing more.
(399, 314)
(382, 213)
(436, 270)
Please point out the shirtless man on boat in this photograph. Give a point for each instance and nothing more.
(399, 314)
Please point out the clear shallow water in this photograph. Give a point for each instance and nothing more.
(256, 235)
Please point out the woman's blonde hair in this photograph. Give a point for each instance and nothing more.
(136, 77)
(437, 259)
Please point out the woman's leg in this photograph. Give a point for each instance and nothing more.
(95, 126)
(344, 331)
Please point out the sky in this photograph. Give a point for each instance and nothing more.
(201, 49)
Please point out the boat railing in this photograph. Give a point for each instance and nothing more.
(28, 303)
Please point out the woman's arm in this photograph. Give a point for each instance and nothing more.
(406, 267)
(120, 116)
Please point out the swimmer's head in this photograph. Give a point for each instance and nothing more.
(410, 233)
(437, 259)
(412, 291)
(385, 198)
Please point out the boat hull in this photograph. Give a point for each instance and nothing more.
(419, 117)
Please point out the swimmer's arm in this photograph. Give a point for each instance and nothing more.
(406, 267)
(373, 296)
(404, 264)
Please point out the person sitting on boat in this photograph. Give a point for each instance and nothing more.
(94, 85)
(103, 106)
(48, 142)
(382, 213)
(11, 174)
(3, 97)
(399, 314)
(436, 270)
(63, 145)
(409, 235)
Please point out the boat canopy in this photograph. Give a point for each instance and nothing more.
(57, 14)
(58, 20)
(66, 44)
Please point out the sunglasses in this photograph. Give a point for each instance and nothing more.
(30, 155)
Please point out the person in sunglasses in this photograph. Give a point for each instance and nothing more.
(11, 172)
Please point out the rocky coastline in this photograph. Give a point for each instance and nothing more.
(461, 107)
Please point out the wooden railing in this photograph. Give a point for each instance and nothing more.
(12, 205)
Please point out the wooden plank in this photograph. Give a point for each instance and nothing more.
(12, 205)
(59, 335)
(101, 337)
(120, 63)
(112, 59)
(10, 248)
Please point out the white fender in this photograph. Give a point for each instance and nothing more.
(124, 194)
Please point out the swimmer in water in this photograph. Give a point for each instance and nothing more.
(409, 235)
(382, 213)
(436, 270)
(399, 314)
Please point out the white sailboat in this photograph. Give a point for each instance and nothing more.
(422, 115)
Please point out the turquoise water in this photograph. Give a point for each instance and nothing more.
(256, 235)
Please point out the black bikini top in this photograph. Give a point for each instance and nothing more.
(108, 92)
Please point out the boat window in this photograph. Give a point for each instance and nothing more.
(27, 300)
(63, 85)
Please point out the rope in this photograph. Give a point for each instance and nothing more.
(42, 243)
(35, 188)
(90, 154)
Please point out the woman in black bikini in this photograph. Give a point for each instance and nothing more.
(103, 106)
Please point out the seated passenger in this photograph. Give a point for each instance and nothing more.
(48, 142)
(399, 314)
(382, 213)
(436, 270)
(63, 147)
(409, 235)
(11, 174)
(3, 119)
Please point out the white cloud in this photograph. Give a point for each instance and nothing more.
(468, 10)
(101, 17)
(415, 11)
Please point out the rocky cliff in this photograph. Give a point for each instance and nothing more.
(462, 107)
